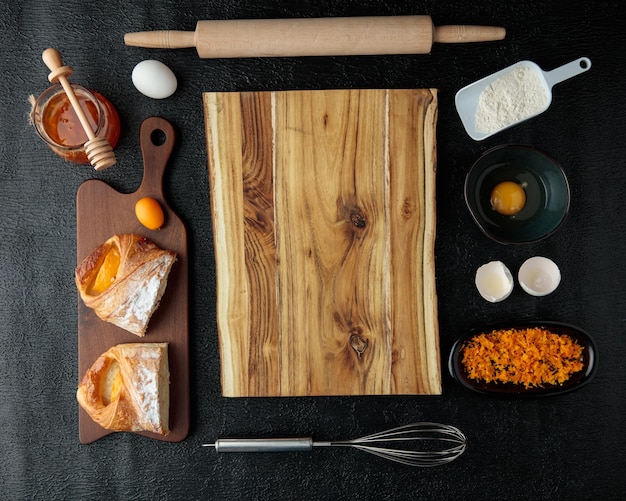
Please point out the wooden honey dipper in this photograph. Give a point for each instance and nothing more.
(98, 150)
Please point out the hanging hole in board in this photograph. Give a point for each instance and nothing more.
(158, 137)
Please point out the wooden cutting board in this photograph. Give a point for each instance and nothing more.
(102, 212)
(323, 206)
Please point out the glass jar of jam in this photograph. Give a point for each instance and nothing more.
(58, 125)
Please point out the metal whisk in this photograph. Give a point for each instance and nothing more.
(418, 444)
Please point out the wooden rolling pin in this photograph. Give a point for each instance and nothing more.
(339, 36)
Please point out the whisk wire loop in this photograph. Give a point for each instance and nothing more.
(380, 444)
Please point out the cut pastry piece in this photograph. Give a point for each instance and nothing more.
(123, 280)
(128, 389)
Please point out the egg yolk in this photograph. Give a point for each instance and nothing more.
(508, 198)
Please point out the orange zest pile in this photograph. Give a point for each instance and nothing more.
(531, 357)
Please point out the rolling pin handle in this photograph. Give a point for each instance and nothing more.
(464, 34)
(164, 39)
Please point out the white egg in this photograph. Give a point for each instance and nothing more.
(539, 276)
(494, 281)
(154, 79)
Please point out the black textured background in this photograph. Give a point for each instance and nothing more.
(567, 447)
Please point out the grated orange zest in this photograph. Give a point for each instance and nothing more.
(530, 357)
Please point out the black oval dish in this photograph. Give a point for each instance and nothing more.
(546, 186)
(579, 379)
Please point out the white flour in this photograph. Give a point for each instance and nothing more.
(514, 96)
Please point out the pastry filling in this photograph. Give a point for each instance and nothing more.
(111, 384)
(107, 273)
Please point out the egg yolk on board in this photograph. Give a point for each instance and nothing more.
(508, 198)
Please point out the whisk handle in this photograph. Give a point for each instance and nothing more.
(263, 444)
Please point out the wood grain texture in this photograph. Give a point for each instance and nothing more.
(323, 208)
(102, 212)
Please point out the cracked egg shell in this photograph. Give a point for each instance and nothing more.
(539, 276)
(494, 281)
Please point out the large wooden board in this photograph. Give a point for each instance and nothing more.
(323, 206)
(102, 212)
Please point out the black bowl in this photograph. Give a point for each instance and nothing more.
(577, 380)
(547, 193)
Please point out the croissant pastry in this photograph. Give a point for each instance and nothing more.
(127, 388)
(123, 280)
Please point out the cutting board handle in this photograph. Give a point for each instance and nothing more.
(157, 138)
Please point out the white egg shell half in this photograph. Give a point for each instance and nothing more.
(494, 281)
(154, 79)
(539, 276)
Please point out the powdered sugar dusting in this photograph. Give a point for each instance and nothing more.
(147, 381)
(134, 314)
(150, 383)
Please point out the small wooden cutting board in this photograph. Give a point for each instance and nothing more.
(323, 207)
(102, 212)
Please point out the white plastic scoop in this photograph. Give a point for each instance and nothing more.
(511, 96)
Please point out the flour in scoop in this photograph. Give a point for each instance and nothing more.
(513, 97)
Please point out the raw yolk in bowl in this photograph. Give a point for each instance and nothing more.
(508, 198)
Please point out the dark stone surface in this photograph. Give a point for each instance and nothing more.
(567, 447)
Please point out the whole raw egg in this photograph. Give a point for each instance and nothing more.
(154, 79)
